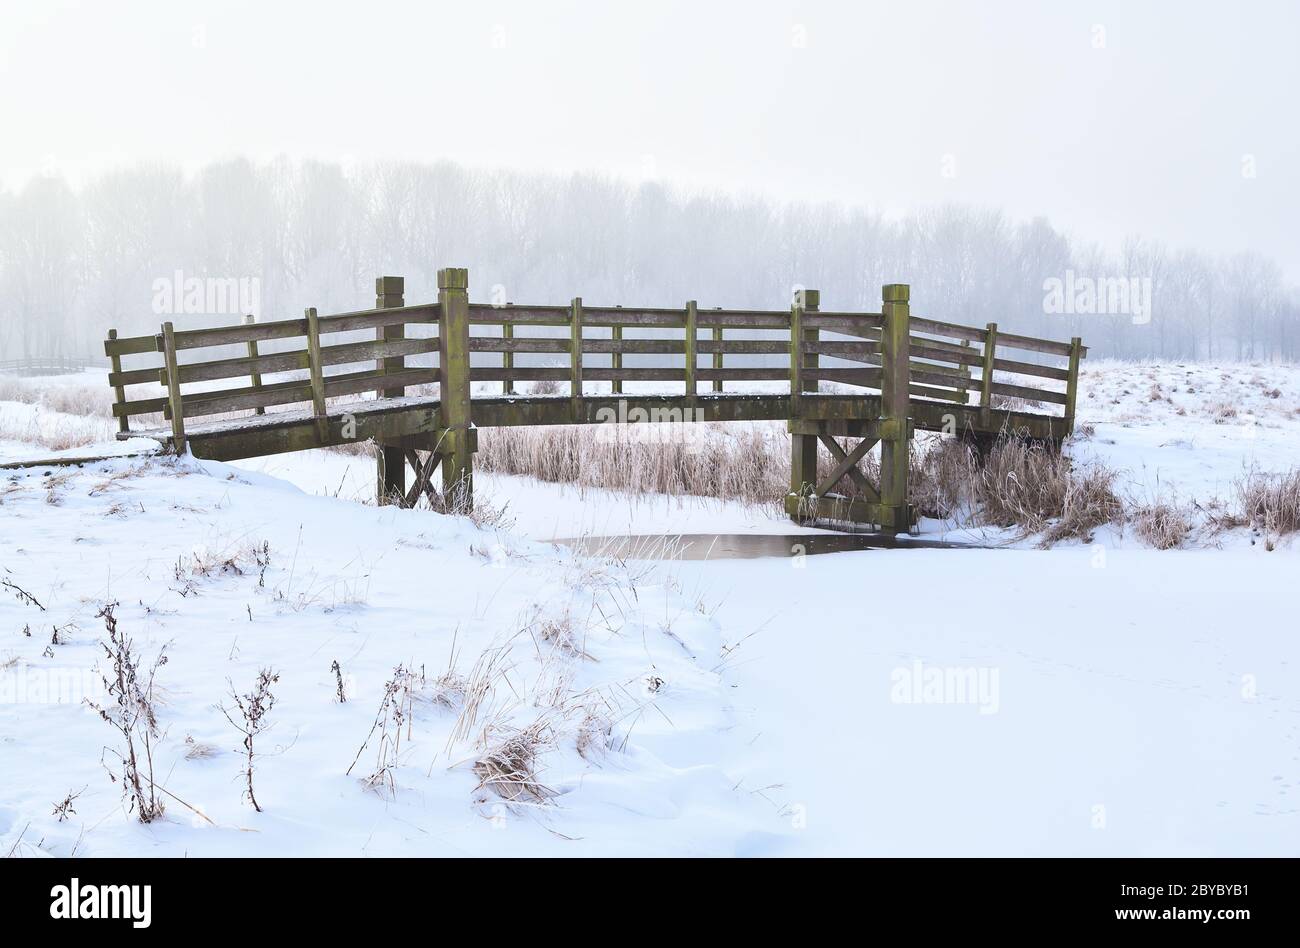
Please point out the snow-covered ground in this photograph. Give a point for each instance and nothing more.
(1098, 699)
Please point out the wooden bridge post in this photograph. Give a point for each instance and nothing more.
(616, 360)
(119, 391)
(174, 400)
(692, 355)
(986, 383)
(316, 369)
(1072, 384)
(390, 480)
(895, 409)
(575, 356)
(507, 357)
(803, 447)
(254, 375)
(454, 389)
(717, 358)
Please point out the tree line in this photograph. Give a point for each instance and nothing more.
(76, 261)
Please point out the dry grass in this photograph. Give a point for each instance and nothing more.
(749, 464)
(1039, 490)
(558, 634)
(1161, 524)
(1270, 503)
(1019, 484)
(83, 400)
(941, 479)
(595, 735)
(508, 765)
(1222, 412)
(57, 433)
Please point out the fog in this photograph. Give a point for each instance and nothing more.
(988, 154)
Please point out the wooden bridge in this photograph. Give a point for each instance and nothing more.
(47, 365)
(890, 372)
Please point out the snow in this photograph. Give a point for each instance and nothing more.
(370, 588)
(1093, 699)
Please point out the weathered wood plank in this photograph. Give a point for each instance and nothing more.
(255, 377)
(1013, 341)
(575, 348)
(692, 340)
(114, 379)
(717, 347)
(507, 358)
(845, 322)
(867, 378)
(456, 404)
(896, 511)
(616, 358)
(314, 360)
(743, 319)
(1030, 368)
(174, 389)
(744, 374)
(635, 346)
(1072, 381)
(845, 463)
(390, 471)
(139, 406)
(129, 345)
(119, 378)
(492, 373)
(296, 359)
(939, 328)
(512, 344)
(1030, 394)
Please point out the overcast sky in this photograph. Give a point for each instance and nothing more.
(1108, 118)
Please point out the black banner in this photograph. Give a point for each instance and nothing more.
(979, 896)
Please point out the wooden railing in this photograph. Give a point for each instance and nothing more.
(823, 353)
(47, 365)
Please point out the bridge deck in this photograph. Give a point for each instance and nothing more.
(410, 421)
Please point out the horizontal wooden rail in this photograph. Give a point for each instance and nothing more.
(1029, 394)
(289, 328)
(520, 344)
(297, 359)
(299, 390)
(130, 345)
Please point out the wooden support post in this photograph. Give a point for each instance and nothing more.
(455, 416)
(255, 377)
(986, 383)
(616, 360)
(692, 357)
(717, 357)
(317, 372)
(575, 355)
(1072, 384)
(811, 303)
(390, 475)
(895, 409)
(507, 358)
(174, 388)
(119, 391)
(803, 447)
